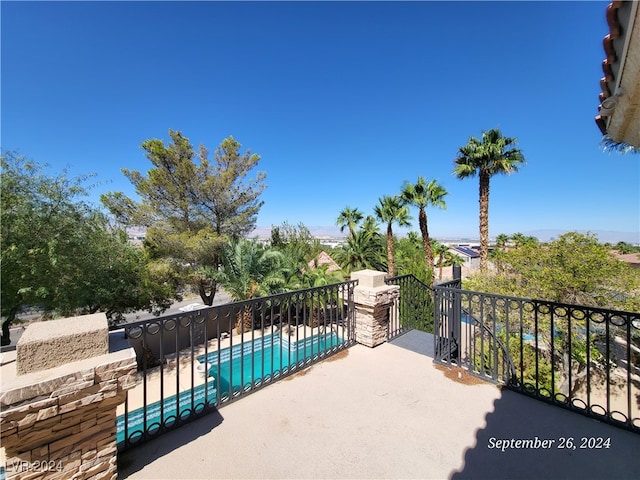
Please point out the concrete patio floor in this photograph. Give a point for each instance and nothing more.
(386, 412)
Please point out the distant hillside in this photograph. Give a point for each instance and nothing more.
(604, 236)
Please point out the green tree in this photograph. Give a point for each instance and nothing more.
(60, 253)
(520, 239)
(298, 247)
(249, 270)
(502, 240)
(391, 210)
(624, 248)
(452, 260)
(440, 250)
(349, 218)
(319, 276)
(574, 269)
(409, 257)
(492, 155)
(363, 250)
(371, 226)
(421, 195)
(191, 204)
(295, 240)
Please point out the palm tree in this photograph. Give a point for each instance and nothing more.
(452, 260)
(440, 249)
(519, 240)
(413, 237)
(249, 271)
(362, 250)
(349, 218)
(392, 210)
(370, 225)
(502, 240)
(421, 195)
(494, 154)
(610, 145)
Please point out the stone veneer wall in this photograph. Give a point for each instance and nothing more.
(61, 423)
(372, 298)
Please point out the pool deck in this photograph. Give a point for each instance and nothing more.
(386, 412)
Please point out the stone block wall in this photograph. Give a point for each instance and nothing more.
(56, 342)
(373, 299)
(61, 423)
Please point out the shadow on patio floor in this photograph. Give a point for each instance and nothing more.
(127, 464)
(516, 416)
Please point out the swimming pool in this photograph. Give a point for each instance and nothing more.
(233, 370)
(242, 366)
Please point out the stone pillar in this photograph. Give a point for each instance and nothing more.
(373, 299)
(60, 422)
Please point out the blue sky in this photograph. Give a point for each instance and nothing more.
(343, 101)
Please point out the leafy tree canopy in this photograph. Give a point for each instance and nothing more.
(574, 269)
(60, 253)
(296, 241)
(191, 204)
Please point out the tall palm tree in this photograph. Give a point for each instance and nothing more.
(421, 195)
(349, 218)
(392, 210)
(493, 154)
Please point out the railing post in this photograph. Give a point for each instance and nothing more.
(373, 299)
(456, 325)
(457, 273)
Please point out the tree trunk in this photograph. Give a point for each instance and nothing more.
(484, 221)
(6, 333)
(426, 243)
(207, 298)
(244, 322)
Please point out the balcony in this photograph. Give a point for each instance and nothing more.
(459, 385)
(387, 412)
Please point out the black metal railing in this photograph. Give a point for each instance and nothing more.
(585, 359)
(412, 309)
(192, 362)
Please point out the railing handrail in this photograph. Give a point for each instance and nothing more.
(408, 275)
(236, 304)
(572, 306)
(579, 357)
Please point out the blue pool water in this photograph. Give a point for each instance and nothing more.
(252, 362)
(231, 369)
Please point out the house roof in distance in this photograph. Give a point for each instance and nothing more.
(468, 252)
